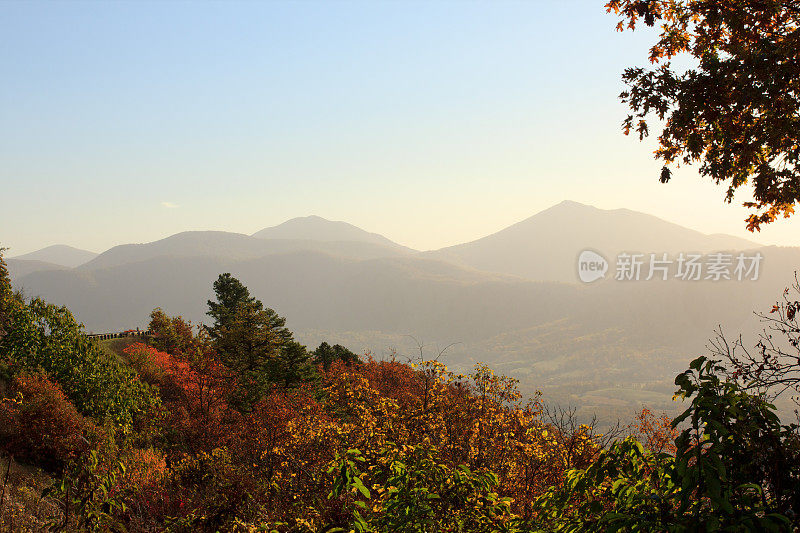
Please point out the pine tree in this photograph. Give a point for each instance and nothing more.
(230, 294)
(325, 355)
(6, 294)
(249, 339)
(293, 366)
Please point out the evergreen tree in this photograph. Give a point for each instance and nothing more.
(230, 294)
(252, 341)
(6, 294)
(293, 366)
(325, 355)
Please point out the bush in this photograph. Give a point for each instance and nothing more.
(39, 425)
(407, 489)
(735, 468)
(172, 335)
(206, 492)
(193, 394)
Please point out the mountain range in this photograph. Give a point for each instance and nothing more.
(56, 257)
(511, 299)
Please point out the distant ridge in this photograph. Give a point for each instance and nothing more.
(59, 254)
(545, 246)
(234, 247)
(22, 267)
(316, 228)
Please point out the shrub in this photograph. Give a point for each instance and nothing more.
(734, 469)
(171, 334)
(193, 393)
(407, 489)
(143, 468)
(39, 425)
(206, 492)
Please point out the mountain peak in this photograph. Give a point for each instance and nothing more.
(59, 254)
(316, 228)
(571, 203)
(570, 206)
(546, 245)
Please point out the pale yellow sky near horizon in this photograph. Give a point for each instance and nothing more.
(781, 233)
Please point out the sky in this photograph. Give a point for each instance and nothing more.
(432, 123)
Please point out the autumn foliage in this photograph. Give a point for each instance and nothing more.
(344, 443)
(733, 112)
(655, 432)
(271, 464)
(38, 424)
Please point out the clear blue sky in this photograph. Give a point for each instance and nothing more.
(429, 122)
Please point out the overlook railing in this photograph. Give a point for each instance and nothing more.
(118, 334)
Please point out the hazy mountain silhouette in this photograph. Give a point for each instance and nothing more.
(59, 254)
(312, 289)
(232, 246)
(546, 246)
(22, 267)
(319, 229)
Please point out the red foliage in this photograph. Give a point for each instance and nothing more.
(38, 424)
(194, 392)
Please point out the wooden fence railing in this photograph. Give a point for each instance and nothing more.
(118, 335)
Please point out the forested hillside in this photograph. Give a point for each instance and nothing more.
(236, 426)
